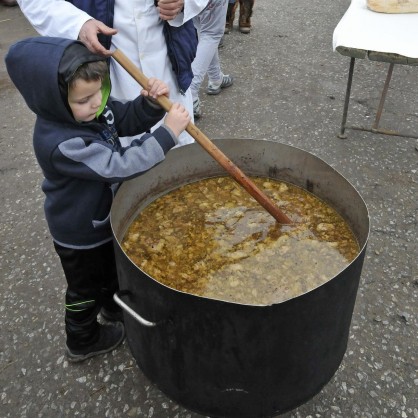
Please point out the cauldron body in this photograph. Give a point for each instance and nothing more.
(226, 359)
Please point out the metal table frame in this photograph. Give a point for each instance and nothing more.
(392, 59)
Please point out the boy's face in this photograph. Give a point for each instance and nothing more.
(85, 98)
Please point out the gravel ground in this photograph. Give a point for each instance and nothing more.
(289, 87)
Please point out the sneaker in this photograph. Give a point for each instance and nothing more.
(112, 315)
(214, 88)
(109, 338)
(196, 109)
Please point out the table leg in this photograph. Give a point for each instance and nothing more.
(383, 97)
(342, 134)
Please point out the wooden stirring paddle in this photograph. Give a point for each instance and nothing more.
(208, 145)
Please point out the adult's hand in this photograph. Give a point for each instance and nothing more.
(169, 9)
(88, 35)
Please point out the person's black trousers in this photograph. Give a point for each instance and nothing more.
(92, 280)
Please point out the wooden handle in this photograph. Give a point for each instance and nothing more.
(207, 144)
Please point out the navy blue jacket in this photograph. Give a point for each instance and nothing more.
(82, 163)
(101, 10)
(181, 41)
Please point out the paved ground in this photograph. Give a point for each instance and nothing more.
(289, 87)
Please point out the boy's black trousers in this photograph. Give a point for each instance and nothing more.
(92, 280)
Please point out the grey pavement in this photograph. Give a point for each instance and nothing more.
(289, 87)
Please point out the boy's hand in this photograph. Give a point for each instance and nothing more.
(155, 89)
(177, 118)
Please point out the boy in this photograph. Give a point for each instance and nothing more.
(76, 142)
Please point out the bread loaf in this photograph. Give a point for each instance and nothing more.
(393, 6)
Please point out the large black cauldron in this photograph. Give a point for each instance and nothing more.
(226, 359)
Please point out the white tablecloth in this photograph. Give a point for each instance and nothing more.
(362, 28)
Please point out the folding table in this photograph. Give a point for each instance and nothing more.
(389, 38)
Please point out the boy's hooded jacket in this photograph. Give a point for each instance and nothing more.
(82, 162)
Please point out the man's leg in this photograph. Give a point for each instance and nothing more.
(230, 15)
(245, 13)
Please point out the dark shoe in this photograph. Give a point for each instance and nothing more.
(112, 316)
(8, 3)
(245, 25)
(110, 336)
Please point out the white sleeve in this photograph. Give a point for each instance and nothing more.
(54, 17)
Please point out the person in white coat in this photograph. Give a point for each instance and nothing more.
(137, 31)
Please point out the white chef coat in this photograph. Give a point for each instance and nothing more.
(140, 37)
